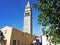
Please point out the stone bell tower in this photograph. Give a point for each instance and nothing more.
(28, 19)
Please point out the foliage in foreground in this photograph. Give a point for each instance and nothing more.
(50, 16)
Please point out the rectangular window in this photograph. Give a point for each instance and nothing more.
(14, 42)
(18, 42)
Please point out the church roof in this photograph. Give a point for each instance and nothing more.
(28, 4)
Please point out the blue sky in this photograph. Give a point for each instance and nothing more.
(12, 14)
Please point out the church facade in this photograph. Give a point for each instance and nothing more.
(12, 36)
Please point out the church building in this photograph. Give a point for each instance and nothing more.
(12, 36)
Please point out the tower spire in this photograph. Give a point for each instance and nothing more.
(28, 5)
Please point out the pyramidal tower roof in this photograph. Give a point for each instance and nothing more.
(28, 4)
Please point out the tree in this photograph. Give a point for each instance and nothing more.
(50, 15)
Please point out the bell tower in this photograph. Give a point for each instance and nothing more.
(28, 19)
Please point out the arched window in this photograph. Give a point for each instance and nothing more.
(1, 35)
(26, 14)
